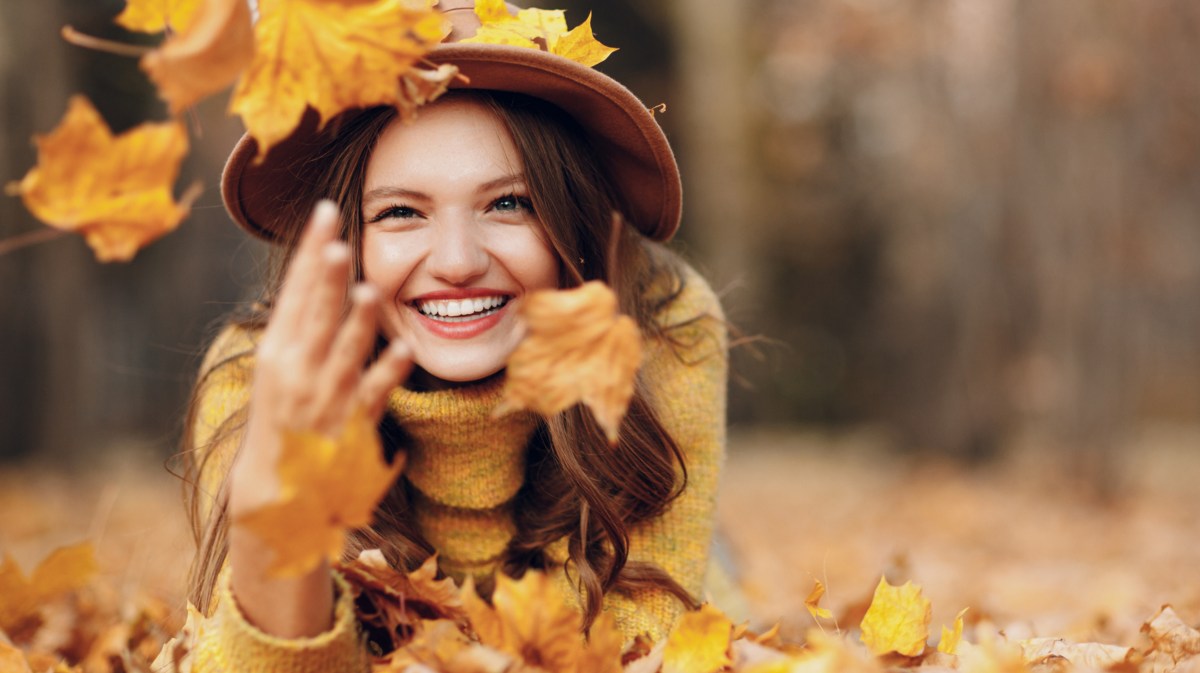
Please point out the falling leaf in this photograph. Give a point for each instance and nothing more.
(206, 57)
(64, 570)
(814, 598)
(898, 620)
(327, 485)
(950, 639)
(115, 191)
(578, 349)
(331, 55)
(155, 16)
(699, 643)
(537, 29)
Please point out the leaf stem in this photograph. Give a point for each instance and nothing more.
(25, 240)
(99, 44)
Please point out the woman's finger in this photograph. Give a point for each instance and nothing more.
(343, 367)
(393, 366)
(320, 230)
(321, 314)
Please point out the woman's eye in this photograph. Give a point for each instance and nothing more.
(512, 202)
(398, 212)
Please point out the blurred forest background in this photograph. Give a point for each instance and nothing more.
(960, 222)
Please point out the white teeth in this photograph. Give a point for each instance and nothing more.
(467, 309)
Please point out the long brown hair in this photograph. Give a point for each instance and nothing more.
(576, 486)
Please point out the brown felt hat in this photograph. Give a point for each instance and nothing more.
(265, 198)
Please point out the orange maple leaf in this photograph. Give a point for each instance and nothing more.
(64, 570)
(531, 621)
(331, 55)
(155, 16)
(898, 620)
(116, 191)
(578, 349)
(699, 643)
(814, 599)
(327, 485)
(538, 28)
(205, 57)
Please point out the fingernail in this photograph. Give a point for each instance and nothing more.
(398, 349)
(325, 214)
(364, 294)
(336, 252)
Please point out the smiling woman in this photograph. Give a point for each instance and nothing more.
(436, 230)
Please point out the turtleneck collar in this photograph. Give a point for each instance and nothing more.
(461, 456)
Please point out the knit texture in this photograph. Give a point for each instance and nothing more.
(466, 468)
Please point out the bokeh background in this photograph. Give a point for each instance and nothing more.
(964, 230)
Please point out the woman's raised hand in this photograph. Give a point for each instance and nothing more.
(309, 375)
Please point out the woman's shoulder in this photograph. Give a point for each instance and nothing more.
(689, 316)
(232, 348)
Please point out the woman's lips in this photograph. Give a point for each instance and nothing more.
(460, 314)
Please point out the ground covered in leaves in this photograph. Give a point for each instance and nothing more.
(1023, 545)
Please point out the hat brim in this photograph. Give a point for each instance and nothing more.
(268, 196)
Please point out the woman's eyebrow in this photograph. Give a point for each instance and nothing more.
(392, 193)
(503, 181)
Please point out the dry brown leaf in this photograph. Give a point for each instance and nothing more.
(116, 191)
(206, 57)
(331, 55)
(578, 349)
(155, 16)
(1170, 636)
(699, 643)
(898, 620)
(327, 486)
(64, 570)
(1094, 656)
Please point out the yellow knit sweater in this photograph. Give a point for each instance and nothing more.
(466, 468)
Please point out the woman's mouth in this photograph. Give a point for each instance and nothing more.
(460, 310)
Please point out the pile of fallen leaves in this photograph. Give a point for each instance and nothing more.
(57, 620)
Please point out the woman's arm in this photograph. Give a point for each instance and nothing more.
(309, 375)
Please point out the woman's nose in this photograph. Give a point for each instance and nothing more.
(457, 254)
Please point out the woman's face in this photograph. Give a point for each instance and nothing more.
(451, 240)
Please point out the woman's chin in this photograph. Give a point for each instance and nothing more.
(443, 378)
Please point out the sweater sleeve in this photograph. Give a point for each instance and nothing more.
(687, 386)
(227, 641)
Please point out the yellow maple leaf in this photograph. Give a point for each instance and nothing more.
(538, 29)
(814, 598)
(604, 646)
(115, 191)
(579, 44)
(205, 57)
(331, 55)
(155, 16)
(898, 620)
(950, 639)
(578, 349)
(64, 570)
(327, 486)
(699, 643)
